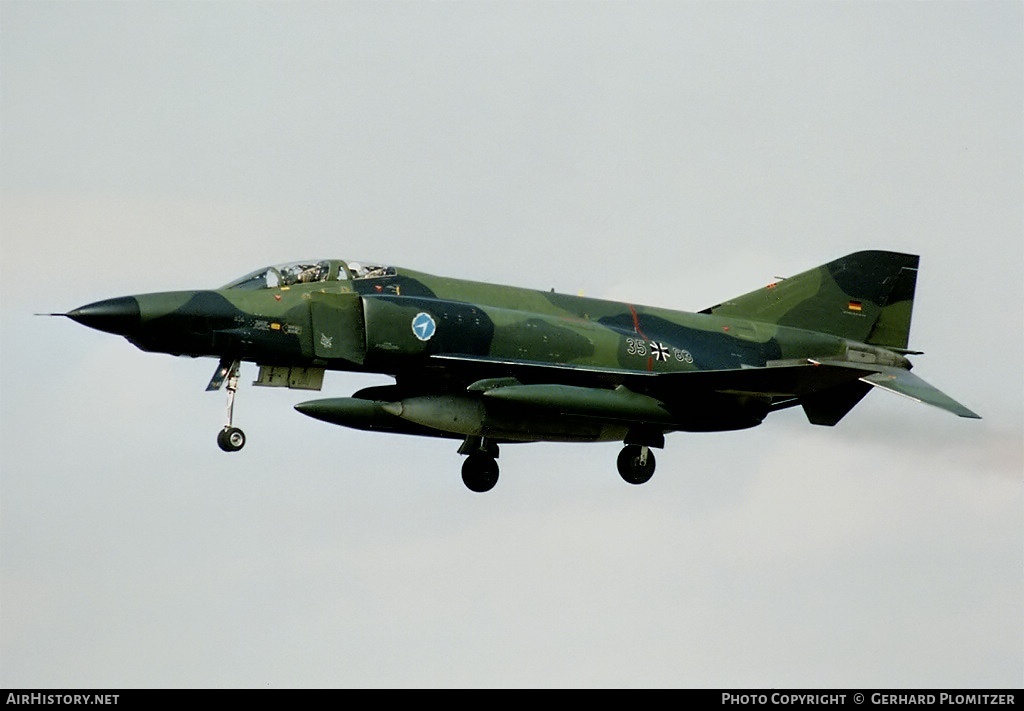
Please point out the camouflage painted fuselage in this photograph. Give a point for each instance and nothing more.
(367, 324)
(439, 336)
(477, 360)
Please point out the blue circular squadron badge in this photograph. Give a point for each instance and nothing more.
(423, 326)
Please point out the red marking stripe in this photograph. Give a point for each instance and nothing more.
(636, 327)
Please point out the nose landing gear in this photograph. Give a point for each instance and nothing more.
(229, 439)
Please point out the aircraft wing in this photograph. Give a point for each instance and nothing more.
(789, 379)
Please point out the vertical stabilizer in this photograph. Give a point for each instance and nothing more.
(865, 296)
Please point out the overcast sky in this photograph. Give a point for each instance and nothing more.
(672, 153)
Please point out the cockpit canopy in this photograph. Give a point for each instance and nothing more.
(308, 272)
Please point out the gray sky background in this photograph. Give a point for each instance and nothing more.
(666, 153)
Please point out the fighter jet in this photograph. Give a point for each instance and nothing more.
(490, 365)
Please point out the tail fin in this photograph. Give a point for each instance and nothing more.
(865, 296)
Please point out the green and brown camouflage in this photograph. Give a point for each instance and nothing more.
(489, 364)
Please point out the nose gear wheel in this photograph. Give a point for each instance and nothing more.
(229, 439)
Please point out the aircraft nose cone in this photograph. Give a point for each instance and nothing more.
(120, 316)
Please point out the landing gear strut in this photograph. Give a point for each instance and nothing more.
(636, 463)
(230, 439)
(480, 470)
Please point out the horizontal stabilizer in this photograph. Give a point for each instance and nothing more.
(903, 382)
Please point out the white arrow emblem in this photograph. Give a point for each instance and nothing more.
(423, 326)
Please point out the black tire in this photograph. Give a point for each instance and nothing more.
(231, 439)
(479, 472)
(630, 467)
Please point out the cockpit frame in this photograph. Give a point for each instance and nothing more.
(309, 272)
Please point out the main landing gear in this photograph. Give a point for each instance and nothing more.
(480, 470)
(230, 439)
(636, 463)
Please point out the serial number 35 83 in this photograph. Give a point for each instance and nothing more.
(641, 348)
